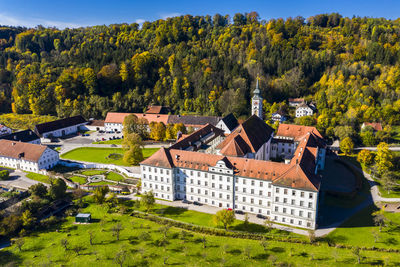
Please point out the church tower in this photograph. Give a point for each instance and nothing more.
(256, 102)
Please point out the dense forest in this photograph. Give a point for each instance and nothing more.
(208, 65)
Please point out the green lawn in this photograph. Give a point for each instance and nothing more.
(147, 152)
(78, 179)
(206, 219)
(99, 155)
(114, 177)
(93, 172)
(110, 142)
(358, 231)
(395, 193)
(38, 177)
(94, 154)
(44, 247)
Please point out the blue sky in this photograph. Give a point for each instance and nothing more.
(75, 13)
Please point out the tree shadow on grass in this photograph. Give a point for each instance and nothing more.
(170, 211)
(7, 257)
(261, 256)
(250, 227)
(378, 262)
(235, 252)
(277, 249)
(391, 241)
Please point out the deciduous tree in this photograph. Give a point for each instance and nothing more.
(225, 217)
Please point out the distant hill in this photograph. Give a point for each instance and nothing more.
(206, 65)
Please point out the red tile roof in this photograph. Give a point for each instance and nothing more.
(153, 117)
(377, 126)
(158, 110)
(26, 151)
(116, 117)
(254, 132)
(296, 131)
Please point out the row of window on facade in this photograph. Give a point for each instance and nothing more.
(293, 213)
(291, 221)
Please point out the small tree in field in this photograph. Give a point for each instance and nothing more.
(311, 236)
(91, 237)
(19, 243)
(356, 252)
(226, 217)
(117, 230)
(268, 223)
(120, 257)
(100, 193)
(148, 200)
(64, 243)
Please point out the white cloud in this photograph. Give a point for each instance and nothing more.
(33, 22)
(169, 15)
(140, 21)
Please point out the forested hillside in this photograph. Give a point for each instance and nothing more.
(207, 65)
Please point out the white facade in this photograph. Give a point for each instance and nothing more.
(220, 187)
(304, 111)
(4, 130)
(48, 159)
(114, 127)
(221, 125)
(64, 131)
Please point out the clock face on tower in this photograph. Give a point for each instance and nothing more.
(255, 103)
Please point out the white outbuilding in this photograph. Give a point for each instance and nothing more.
(26, 156)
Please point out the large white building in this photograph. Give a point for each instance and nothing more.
(236, 171)
(26, 156)
(60, 128)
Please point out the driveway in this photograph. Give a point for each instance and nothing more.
(18, 179)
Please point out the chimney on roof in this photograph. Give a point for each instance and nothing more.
(293, 183)
(13, 144)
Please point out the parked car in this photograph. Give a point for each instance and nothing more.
(261, 216)
(185, 201)
(101, 131)
(197, 203)
(239, 212)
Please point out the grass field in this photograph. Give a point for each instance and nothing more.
(94, 154)
(358, 231)
(38, 177)
(99, 155)
(145, 243)
(93, 172)
(110, 142)
(24, 121)
(147, 152)
(114, 177)
(78, 179)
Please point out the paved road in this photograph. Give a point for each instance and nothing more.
(393, 148)
(18, 179)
